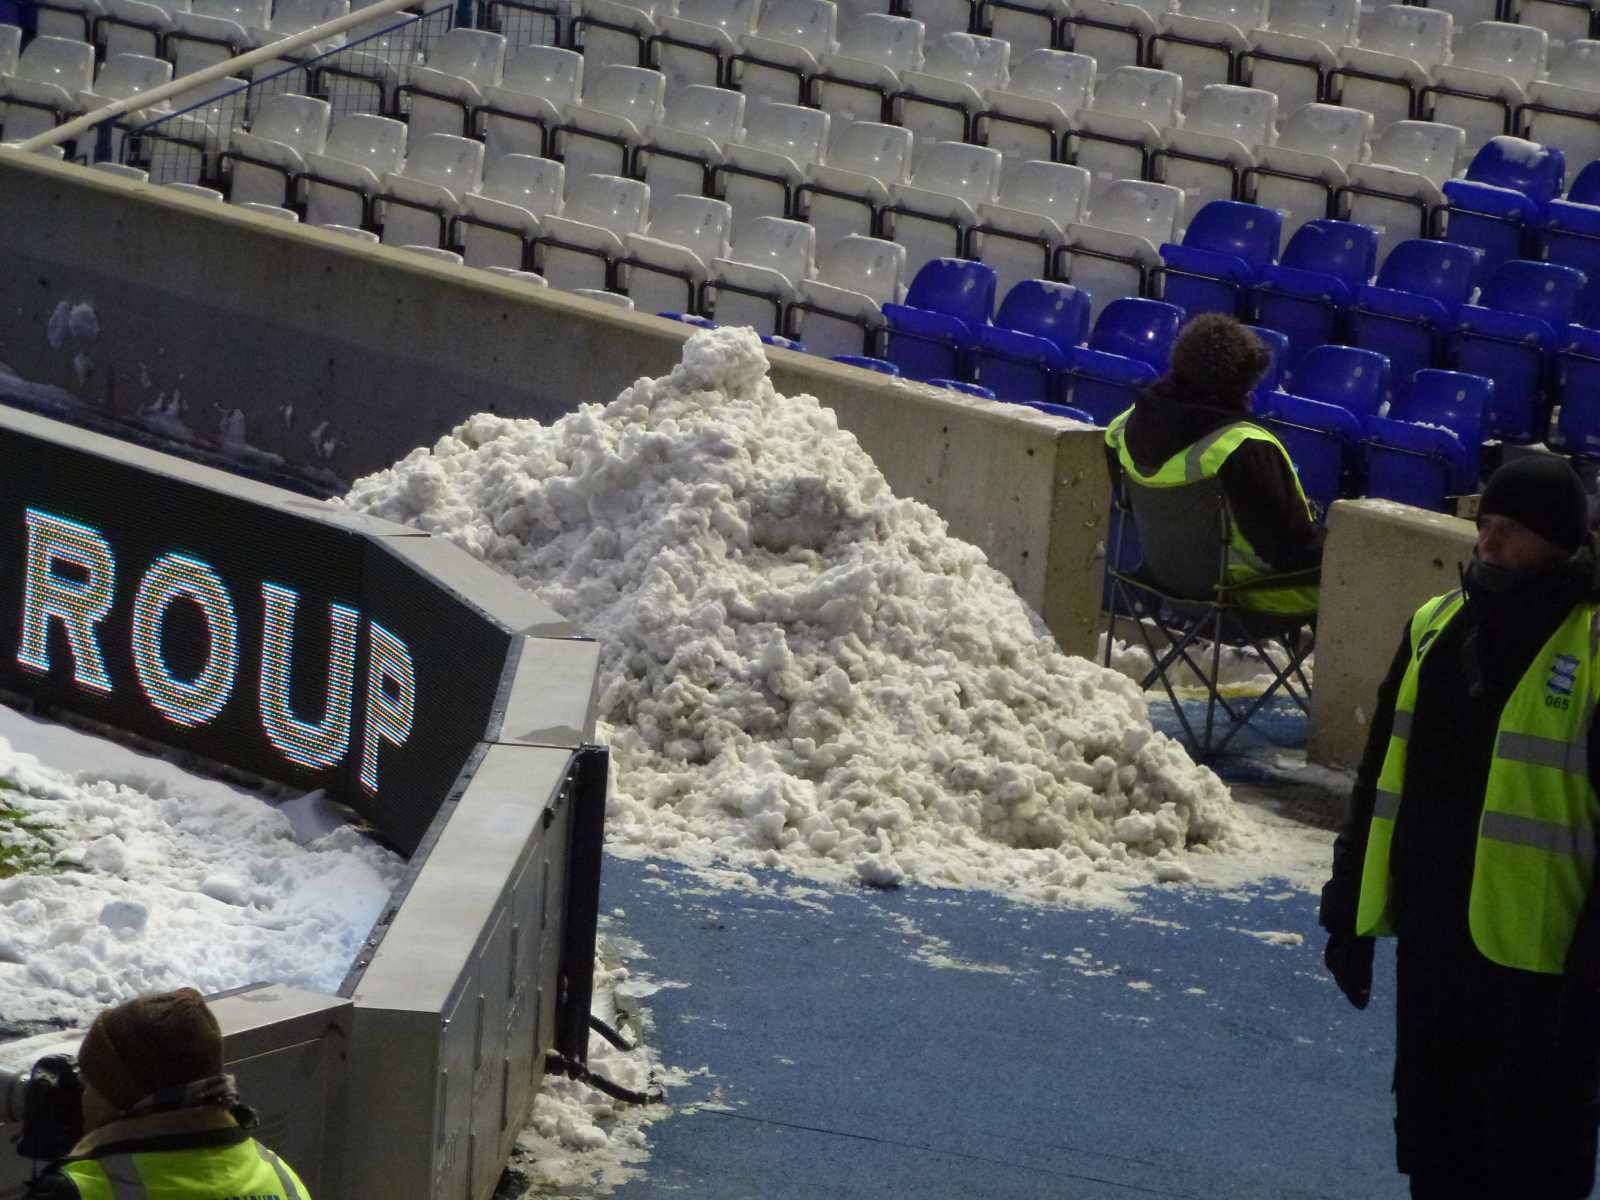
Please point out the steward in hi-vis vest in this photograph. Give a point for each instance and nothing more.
(1193, 424)
(1472, 838)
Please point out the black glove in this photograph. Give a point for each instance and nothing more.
(1349, 959)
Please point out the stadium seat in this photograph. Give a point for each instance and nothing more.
(759, 175)
(1203, 39)
(1027, 24)
(1115, 251)
(1566, 21)
(1127, 348)
(1509, 336)
(136, 26)
(10, 48)
(70, 19)
(961, 385)
(1115, 33)
(206, 193)
(938, 103)
(845, 195)
(1401, 189)
(1577, 391)
(442, 95)
(1563, 109)
(581, 247)
(1023, 232)
(344, 231)
(840, 311)
(1409, 310)
(614, 33)
(694, 45)
(1323, 441)
(1220, 257)
(435, 252)
(418, 203)
(779, 60)
(762, 274)
(118, 78)
(1585, 185)
(209, 32)
(667, 266)
(880, 366)
(1293, 52)
(290, 17)
(931, 334)
(1023, 357)
(1500, 205)
(1570, 235)
(1385, 72)
(1209, 155)
(537, 86)
(342, 181)
(124, 171)
(597, 137)
(1064, 411)
(1354, 379)
(931, 214)
(43, 89)
(1305, 294)
(1300, 173)
(1454, 401)
(856, 82)
(681, 152)
(1419, 465)
(1122, 126)
(500, 222)
(1032, 117)
(265, 162)
(1485, 81)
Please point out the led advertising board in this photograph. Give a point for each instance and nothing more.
(252, 633)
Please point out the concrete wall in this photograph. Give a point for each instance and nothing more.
(340, 357)
(1382, 560)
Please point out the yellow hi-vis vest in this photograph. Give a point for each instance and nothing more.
(1537, 836)
(248, 1169)
(1201, 461)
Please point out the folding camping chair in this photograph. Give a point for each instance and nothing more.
(1180, 587)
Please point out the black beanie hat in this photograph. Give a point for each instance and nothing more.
(1545, 494)
(1216, 357)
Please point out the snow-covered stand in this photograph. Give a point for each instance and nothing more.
(303, 643)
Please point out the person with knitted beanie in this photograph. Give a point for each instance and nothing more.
(160, 1115)
(1471, 838)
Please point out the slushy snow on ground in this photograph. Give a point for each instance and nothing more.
(800, 669)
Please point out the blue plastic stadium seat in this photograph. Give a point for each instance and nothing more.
(931, 334)
(1510, 336)
(1455, 401)
(1412, 464)
(961, 385)
(1304, 295)
(1063, 410)
(1354, 379)
(1024, 355)
(1277, 345)
(1223, 251)
(1585, 186)
(1411, 308)
(1501, 203)
(783, 343)
(881, 365)
(1571, 237)
(1578, 390)
(694, 319)
(1126, 350)
(1322, 439)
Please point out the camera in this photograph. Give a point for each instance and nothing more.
(48, 1102)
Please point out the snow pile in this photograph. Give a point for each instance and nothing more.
(153, 885)
(800, 669)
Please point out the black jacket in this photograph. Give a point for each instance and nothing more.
(1466, 679)
(1256, 479)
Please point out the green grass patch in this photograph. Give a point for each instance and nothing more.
(24, 847)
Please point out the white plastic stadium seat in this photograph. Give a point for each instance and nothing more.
(614, 33)
(512, 274)
(1026, 24)
(679, 153)
(1122, 127)
(777, 62)
(536, 88)
(276, 212)
(1566, 21)
(846, 194)
(120, 77)
(579, 248)
(758, 280)
(1563, 109)
(598, 135)
(450, 87)
(614, 299)
(1400, 189)
(1486, 79)
(1119, 243)
(939, 102)
(1299, 175)
(1203, 39)
(1032, 117)
(342, 180)
(500, 222)
(840, 311)
(70, 19)
(122, 171)
(268, 159)
(187, 146)
(418, 203)
(205, 193)
(1209, 155)
(855, 83)
(43, 90)
(137, 26)
(1387, 69)
(1023, 232)
(695, 44)
(759, 175)
(290, 17)
(930, 215)
(667, 266)
(212, 31)
(351, 232)
(437, 252)
(1115, 33)
(1300, 43)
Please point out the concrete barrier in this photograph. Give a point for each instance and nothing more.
(1382, 560)
(281, 343)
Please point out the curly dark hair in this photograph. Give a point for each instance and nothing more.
(1216, 360)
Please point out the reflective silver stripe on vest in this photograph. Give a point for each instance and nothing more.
(1402, 723)
(124, 1177)
(1386, 805)
(1192, 472)
(284, 1178)
(1541, 835)
(1571, 757)
(1439, 605)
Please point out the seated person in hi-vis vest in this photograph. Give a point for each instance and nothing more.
(1471, 838)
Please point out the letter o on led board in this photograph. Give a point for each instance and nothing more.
(187, 702)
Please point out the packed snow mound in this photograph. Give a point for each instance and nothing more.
(799, 668)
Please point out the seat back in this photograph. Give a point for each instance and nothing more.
(1499, 47)
(1183, 533)
(1147, 210)
(475, 54)
(1057, 312)
(632, 93)
(297, 121)
(1058, 76)
(697, 223)
(546, 71)
(1332, 22)
(969, 173)
(1412, 464)
(1321, 440)
(787, 247)
(1576, 65)
(733, 17)
(1354, 379)
(1143, 330)
(870, 148)
(67, 64)
(1441, 271)
(1247, 231)
(1538, 172)
(1452, 400)
(1422, 34)
(982, 62)
(716, 113)
(535, 184)
(1277, 347)
(296, 16)
(610, 202)
(808, 24)
(1141, 92)
(791, 130)
(377, 143)
(1421, 147)
(1245, 114)
(1047, 189)
(1585, 186)
(956, 287)
(1241, 14)
(252, 14)
(125, 75)
(1343, 249)
(1329, 129)
(1535, 289)
(871, 266)
(896, 42)
(451, 162)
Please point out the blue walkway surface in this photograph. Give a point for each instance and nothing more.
(927, 1043)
